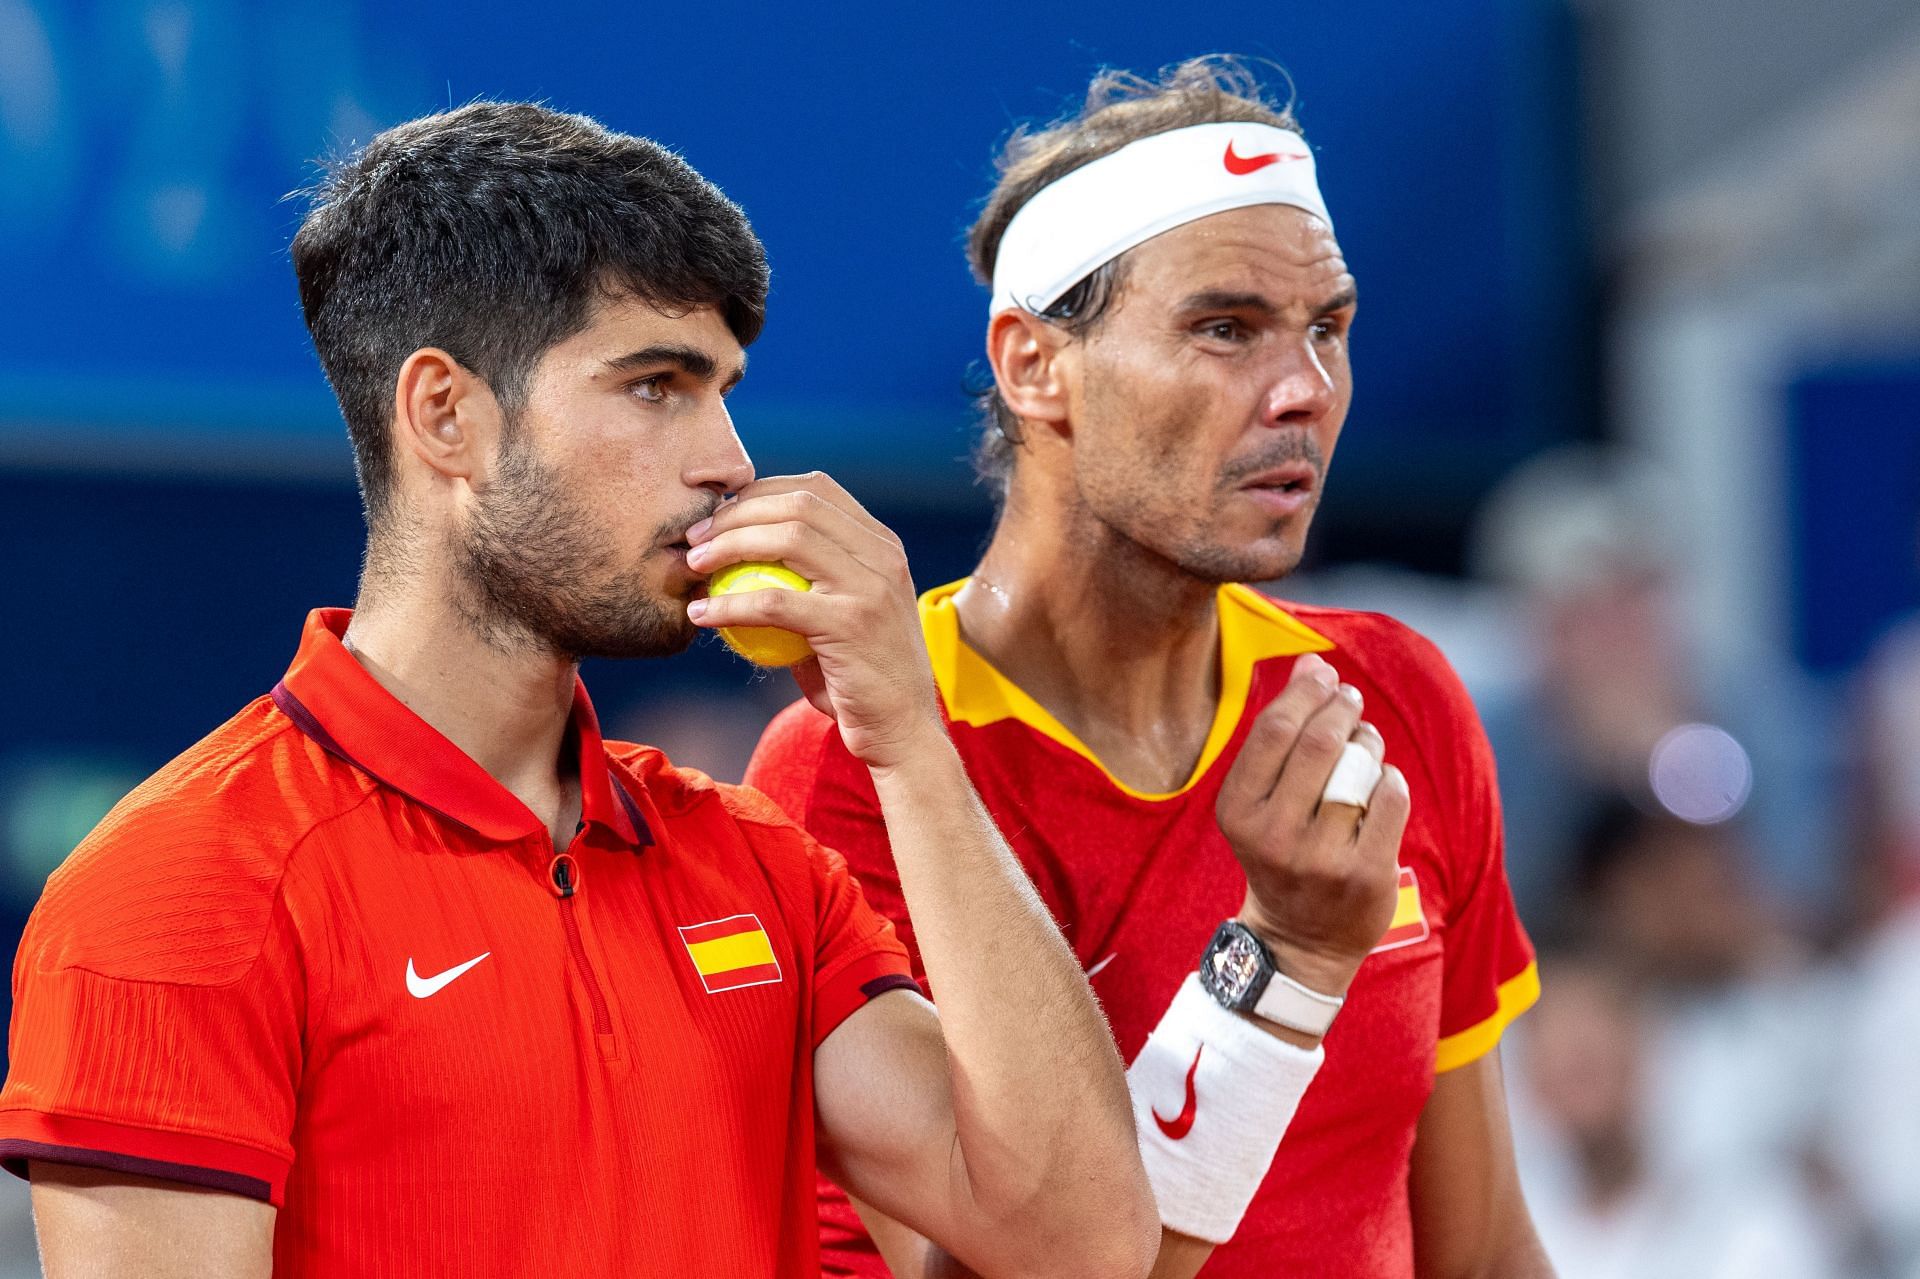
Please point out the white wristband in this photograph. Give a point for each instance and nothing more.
(1212, 1096)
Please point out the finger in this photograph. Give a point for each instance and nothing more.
(756, 506)
(814, 484)
(1367, 736)
(1257, 767)
(813, 685)
(797, 507)
(1354, 776)
(801, 547)
(1311, 762)
(802, 612)
(1386, 820)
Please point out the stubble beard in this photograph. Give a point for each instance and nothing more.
(532, 580)
(1185, 536)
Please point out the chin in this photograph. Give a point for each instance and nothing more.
(1263, 560)
(654, 643)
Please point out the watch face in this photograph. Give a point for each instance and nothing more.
(1236, 966)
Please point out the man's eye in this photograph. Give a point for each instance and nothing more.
(1223, 330)
(653, 389)
(1324, 330)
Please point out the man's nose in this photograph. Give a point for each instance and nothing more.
(1302, 391)
(723, 466)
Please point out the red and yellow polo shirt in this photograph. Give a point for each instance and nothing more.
(1138, 881)
(324, 960)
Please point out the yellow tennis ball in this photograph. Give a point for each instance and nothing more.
(761, 645)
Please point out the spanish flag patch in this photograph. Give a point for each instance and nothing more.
(730, 953)
(1409, 918)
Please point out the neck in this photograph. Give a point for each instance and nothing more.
(1118, 643)
(507, 709)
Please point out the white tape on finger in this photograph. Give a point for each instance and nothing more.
(1354, 777)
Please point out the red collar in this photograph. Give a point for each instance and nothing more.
(332, 699)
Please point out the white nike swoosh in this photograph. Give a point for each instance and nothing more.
(421, 987)
(1093, 971)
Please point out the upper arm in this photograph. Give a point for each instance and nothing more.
(885, 1112)
(1469, 1217)
(104, 1225)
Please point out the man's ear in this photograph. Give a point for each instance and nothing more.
(1030, 359)
(444, 415)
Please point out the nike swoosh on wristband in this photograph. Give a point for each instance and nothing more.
(421, 987)
(1245, 164)
(1175, 1129)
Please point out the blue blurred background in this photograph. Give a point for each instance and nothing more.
(1636, 439)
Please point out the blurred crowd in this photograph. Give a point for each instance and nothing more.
(1721, 869)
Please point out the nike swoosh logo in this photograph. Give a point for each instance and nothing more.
(1245, 164)
(422, 987)
(1095, 970)
(1178, 1128)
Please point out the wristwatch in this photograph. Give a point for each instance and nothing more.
(1239, 973)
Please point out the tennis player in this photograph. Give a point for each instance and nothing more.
(1188, 768)
(404, 971)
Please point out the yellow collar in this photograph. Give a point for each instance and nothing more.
(1252, 629)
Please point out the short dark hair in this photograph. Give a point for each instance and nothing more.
(490, 231)
(1120, 108)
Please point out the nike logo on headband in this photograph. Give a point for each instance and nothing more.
(1244, 164)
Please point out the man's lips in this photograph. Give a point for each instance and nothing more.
(1284, 489)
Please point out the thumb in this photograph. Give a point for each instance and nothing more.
(813, 685)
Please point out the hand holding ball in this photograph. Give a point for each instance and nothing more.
(761, 645)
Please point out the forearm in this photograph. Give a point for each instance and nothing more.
(1041, 1111)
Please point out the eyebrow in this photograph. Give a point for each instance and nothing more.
(1338, 302)
(1226, 300)
(690, 359)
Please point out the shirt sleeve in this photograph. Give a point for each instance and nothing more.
(138, 1047)
(857, 955)
(1489, 977)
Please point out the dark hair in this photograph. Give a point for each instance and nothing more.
(1120, 108)
(490, 231)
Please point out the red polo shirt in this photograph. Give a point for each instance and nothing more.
(323, 959)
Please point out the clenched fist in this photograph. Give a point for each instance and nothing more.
(1322, 878)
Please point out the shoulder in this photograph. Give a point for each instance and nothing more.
(798, 738)
(689, 794)
(1388, 654)
(801, 763)
(180, 881)
(1414, 695)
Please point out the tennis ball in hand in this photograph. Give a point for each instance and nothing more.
(761, 645)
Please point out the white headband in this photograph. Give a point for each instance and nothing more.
(1100, 210)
